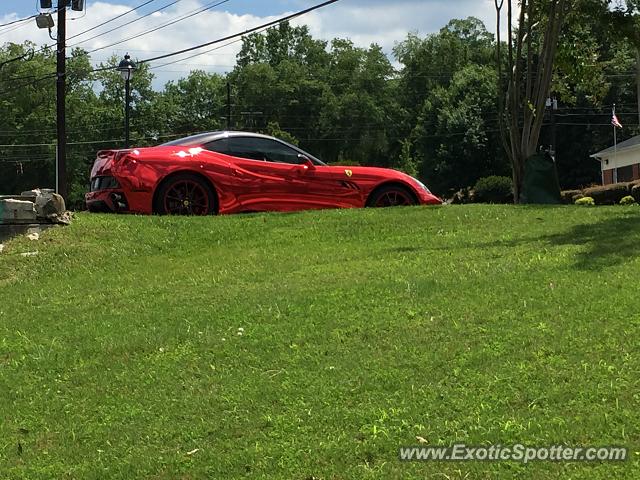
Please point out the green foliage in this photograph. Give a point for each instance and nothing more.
(407, 162)
(494, 189)
(361, 330)
(335, 99)
(628, 200)
(274, 130)
(586, 201)
(435, 117)
(608, 194)
(448, 83)
(194, 104)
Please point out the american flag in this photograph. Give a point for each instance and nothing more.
(614, 121)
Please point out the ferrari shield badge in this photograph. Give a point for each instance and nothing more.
(349, 173)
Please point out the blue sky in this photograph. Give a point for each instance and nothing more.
(383, 22)
(257, 7)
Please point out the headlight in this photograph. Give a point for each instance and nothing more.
(424, 187)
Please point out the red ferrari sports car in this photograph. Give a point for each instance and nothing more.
(232, 172)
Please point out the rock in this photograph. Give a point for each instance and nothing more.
(1, 247)
(62, 219)
(47, 202)
(34, 236)
(17, 211)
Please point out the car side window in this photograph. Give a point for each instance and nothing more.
(220, 146)
(254, 148)
(279, 153)
(246, 147)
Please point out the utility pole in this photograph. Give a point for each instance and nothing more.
(228, 106)
(61, 153)
(127, 100)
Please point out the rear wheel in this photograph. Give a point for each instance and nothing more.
(185, 194)
(392, 196)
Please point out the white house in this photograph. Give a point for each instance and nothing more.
(621, 164)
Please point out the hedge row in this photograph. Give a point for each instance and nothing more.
(606, 195)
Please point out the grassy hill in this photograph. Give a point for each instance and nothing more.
(314, 345)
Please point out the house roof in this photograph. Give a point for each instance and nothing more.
(630, 143)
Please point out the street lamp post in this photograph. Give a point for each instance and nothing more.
(126, 69)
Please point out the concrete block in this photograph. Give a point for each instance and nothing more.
(48, 203)
(17, 211)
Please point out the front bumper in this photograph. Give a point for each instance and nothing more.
(427, 198)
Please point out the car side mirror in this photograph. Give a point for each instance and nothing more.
(306, 161)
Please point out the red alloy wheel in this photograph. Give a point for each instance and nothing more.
(393, 197)
(186, 196)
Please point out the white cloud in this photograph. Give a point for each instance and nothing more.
(373, 21)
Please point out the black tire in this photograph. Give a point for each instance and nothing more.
(392, 196)
(185, 194)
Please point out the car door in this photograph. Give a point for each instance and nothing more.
(310, 184)
(268, 174)
(332, 187)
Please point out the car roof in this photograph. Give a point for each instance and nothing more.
(206, 137)
(203, 138)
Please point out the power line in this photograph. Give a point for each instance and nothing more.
(54, 45)
(18, 58)
(18, 21)
(14, 28)
(193, 13)
(198, 54)
(190, 49)
(246, 32)
(125, 24)
(112, 20)
(29, 84)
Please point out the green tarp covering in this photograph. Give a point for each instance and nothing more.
(541, 184)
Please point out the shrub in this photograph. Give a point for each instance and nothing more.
(628, 200)
(494, 189)
(609, 194)
(568, 196)
(635, 192)
(585, 201)
(577, 197)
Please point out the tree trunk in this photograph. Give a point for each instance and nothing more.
(531, 54)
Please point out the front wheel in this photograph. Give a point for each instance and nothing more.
(185, 194)
(392, 196)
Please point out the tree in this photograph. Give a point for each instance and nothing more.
(448, 114)
(456, 132)
(193, 104)
(574, 32)
(531, 50)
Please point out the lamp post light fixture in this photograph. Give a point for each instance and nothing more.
(126, 69)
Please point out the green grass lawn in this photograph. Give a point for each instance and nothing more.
(120, 352)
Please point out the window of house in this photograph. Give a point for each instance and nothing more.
(625, 174)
